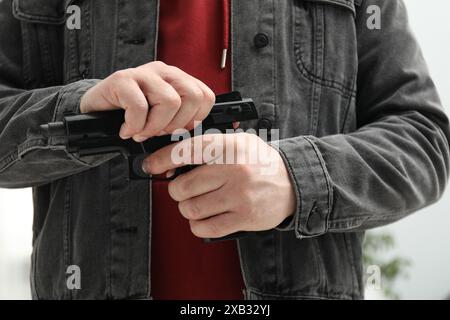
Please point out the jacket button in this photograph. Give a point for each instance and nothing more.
(264, 123)
(260, 40)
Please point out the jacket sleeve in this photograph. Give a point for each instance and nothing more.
(26, 158)
(396, 162)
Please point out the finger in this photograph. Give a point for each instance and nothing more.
(129, 96)
(98, 98)
(188, 151)
(217, 226)
(201, 180)
(206, 205)
(170, 173)
(191, 100)
(205, 109)
(165, 103)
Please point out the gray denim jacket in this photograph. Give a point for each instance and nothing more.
(363, 135)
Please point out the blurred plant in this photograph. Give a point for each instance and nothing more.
(375, 252)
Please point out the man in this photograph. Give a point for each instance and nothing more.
(363, 143)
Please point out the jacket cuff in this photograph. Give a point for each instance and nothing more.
(70, 97)
(312, 185)
(69, 103)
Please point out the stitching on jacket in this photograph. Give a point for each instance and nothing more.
(34, 266)
(350, 4)
(20, 14)
(318, 63)
(345, 122)
(12, 157)
(8, 160)
(26, 54)
(349, 248)
(345, 89)
(86, 58)
(109, 272)
(297, 192)
(46, 59)
(327, 179)
(67, 254)
(348, 223)
(274, 64)
(318, 257)
(285, 296)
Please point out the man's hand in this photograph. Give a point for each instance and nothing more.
(220, 199)
(158, 99)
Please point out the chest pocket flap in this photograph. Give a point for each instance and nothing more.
(40, 11)
(325, 42)
(349, 4)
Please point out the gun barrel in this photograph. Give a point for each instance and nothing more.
(108, 123)
(53, 129)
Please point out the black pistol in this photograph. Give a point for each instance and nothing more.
(98, 133)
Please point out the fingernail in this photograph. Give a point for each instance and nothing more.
(162, 133)
(123, 133)
(139, 138)
(144, 166)
(170, 174)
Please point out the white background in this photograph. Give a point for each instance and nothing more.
(424, 237)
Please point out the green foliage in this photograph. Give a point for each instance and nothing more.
(376, 251)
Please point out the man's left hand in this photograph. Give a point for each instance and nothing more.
(220, 198)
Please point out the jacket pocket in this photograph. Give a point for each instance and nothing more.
(325, 45)
(40, 11)
(42, 24)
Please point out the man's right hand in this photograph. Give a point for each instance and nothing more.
(157, 99)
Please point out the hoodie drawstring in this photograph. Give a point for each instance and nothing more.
(226, 32)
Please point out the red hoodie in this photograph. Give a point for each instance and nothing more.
(192, 36)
